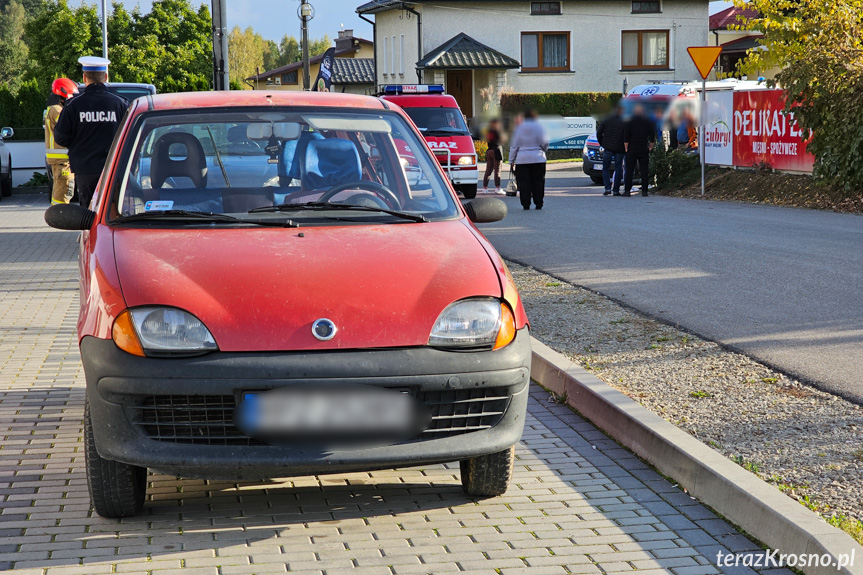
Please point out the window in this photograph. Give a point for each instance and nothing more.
(393, 58)
(646, 7)
(402, 55)
(290, 78)
(545, 51)
(386, 51)
(644, 49)
(544, 8)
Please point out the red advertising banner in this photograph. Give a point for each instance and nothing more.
(764, 133)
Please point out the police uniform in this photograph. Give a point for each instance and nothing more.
(87, 126)
(57, 158)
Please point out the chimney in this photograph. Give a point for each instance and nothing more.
(345, 40)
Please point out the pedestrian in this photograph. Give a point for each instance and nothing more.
(610, 136)
(493, 157)
(56, 156)
(527, 154)
(639, 135)
(87, 126)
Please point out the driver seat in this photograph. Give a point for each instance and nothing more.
(329, 163)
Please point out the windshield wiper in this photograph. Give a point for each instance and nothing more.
(200, 216)
(219, 157)
(322, 206)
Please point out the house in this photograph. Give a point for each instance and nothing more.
(477, 48)
(735, 43)
(353, 69)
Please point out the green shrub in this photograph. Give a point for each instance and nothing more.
(563, 103)
(673, 167)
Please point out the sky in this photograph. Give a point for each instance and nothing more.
(272, 19)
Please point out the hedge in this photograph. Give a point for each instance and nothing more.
(565, 104)
(23, 111)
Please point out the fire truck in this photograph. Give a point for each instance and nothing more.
(443, 126)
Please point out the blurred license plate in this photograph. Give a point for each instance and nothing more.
(343, 413)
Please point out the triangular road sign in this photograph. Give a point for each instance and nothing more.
(704, 58)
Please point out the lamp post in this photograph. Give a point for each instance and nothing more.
(105, 29)
(306, 12)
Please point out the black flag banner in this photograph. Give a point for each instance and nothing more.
(325, 75)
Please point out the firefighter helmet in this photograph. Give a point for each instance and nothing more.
(64, 87)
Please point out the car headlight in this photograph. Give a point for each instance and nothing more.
(161, 331)
(481, 322)
(467, 160)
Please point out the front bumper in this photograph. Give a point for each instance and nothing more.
(463, 175)
(175, 415)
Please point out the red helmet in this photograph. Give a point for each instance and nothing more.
(64, 87)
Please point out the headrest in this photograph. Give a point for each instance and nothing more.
(237, 134)
(192, 165)
(295, 151)
(331, 162)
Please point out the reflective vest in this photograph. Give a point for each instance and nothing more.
(53, 151)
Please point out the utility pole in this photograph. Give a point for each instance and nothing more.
(105, 29)
(305, 13)
(220, 46)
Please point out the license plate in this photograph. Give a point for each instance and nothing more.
(342, 414)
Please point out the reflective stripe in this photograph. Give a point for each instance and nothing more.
(54, 202)
(57, 153)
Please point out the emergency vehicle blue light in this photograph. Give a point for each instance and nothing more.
(392, 89)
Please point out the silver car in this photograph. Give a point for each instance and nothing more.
(5, 163)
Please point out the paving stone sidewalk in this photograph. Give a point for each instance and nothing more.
(579, 502)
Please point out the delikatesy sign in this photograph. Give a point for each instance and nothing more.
(568, 133)
(746, 128)
(765, 133)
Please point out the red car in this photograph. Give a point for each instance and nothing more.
(266, 291)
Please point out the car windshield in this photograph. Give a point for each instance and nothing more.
(438, 120)
(313, 164)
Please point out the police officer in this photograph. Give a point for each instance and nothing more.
(87, 126)
(56, 156)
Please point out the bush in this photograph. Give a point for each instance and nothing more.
(23, 111)
(481, 148)
(565, 103)
(674, 167)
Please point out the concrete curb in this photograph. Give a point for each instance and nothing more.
(741, 497)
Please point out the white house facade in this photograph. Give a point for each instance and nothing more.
(475, 48)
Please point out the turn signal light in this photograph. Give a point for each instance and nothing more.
(507, 327)
(125, 336)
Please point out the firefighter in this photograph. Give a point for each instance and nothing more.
(87, 126)
(57, 156)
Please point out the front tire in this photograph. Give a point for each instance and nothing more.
(597, 180)
(488, 475)
(468, 191)
(116, 489)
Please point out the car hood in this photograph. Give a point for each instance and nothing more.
(261, 289)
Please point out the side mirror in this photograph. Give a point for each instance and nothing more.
(486, 210)
(6, 133)
(69, 217)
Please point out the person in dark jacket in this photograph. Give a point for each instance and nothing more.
(639, 135)
(87, 126)
(493, 157)
(610, 137)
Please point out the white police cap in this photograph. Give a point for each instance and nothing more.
(94, 63)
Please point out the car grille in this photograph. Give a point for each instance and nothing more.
(209, 419)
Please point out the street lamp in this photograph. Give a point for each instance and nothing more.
(305, 12)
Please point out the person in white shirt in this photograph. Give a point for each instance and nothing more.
(527, 154)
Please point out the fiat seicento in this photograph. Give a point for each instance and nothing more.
(266, 292)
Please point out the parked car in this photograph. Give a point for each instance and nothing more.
(265, 292)
(442, 124)
(5, 163)
(128, 90)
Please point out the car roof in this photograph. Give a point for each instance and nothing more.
(423, 100)
(262, 98)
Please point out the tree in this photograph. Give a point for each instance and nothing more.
(58, 36)
(246, 51)
(819, 46)
(13, 51)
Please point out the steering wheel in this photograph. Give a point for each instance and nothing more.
(382, 191)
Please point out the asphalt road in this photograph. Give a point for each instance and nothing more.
(782, 285)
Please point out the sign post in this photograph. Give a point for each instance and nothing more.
(704, 57)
